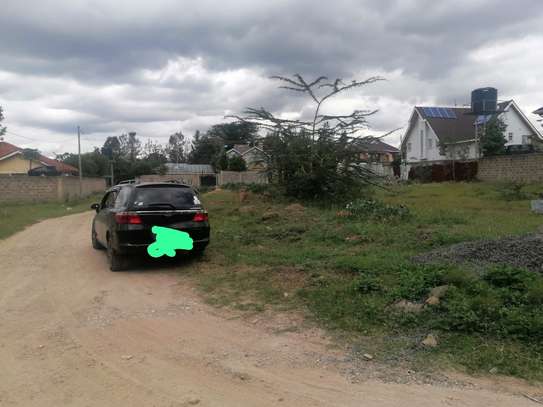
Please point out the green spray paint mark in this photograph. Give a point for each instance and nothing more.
(167, 241)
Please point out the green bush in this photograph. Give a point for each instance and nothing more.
(512, 191)
(504, 303)
(374, 209)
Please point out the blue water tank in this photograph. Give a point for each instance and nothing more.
(484, 100)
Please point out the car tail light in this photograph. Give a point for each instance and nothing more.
(128, 218)
(200, 217)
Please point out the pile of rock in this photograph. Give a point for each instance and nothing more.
(518, 251)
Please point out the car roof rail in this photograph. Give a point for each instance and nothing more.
(127, 181)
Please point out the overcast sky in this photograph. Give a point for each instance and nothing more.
(161, 66)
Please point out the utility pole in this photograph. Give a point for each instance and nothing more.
(79, 159)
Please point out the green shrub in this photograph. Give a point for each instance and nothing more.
(366, 284)
(512, 191)
(413, 282)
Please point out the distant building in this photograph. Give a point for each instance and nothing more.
(373, 150)
(13, 161)
(432, 128)
(254, 157)
(182, 168)
(197, 175)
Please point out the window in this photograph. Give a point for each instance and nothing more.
(510, 136)
(409, 147)
(525, 140)
(429, 143)
(122, 198)
(161, 196)
(109, 200)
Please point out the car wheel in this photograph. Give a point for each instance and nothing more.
(198, 251)
(95, 243)
(116, 261)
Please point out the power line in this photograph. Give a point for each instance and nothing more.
(11, 133)
(18, 135)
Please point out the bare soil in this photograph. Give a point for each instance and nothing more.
(72, 333)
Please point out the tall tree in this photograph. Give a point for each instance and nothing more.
(94, 164)
(112, 148)
(492, 137)
(130, 146)
(153, 151)
(234, 133)
(206, 150)
(2, 128)
(176, 147)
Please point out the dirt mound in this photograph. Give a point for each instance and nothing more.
(295, 207)
(518, 251)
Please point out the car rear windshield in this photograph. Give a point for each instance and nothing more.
(164, 198)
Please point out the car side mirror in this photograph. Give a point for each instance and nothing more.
(95, 206)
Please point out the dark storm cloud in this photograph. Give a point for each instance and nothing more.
(115, 65)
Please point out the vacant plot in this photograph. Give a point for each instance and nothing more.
(356, 274)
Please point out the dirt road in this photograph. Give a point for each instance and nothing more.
(72, 333)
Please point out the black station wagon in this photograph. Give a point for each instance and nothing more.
(128, 211)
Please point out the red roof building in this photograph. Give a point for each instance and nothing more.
(13, 161)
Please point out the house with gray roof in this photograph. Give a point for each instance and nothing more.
(437, 134)
(254, 156)
(374, 150)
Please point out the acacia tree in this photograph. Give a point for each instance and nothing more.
(316, 158)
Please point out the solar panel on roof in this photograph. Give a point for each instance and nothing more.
(451, 114)
(482, 119)
(439, 112)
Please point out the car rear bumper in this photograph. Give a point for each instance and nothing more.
(141, 248)
(136, 238)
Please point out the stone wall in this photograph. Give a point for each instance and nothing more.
(514, 168)
(24, 188)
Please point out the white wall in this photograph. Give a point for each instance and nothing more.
(516, 125)
(420, 149)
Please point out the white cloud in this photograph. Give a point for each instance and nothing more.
(167, 65)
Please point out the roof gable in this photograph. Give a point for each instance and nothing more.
(524, 118)
(375, 145)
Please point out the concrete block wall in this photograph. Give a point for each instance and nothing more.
(23, 188)
(511, 168)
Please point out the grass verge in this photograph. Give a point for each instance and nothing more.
(348, 273)
(15, 217)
